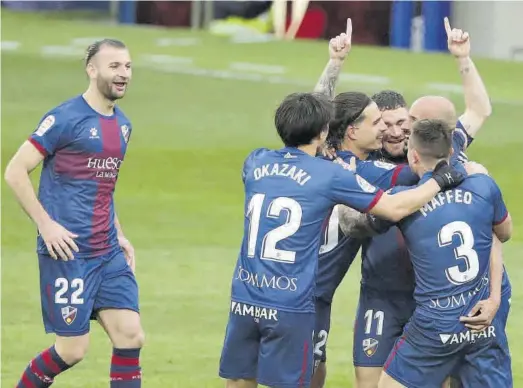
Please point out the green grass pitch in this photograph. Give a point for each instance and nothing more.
(179, 195)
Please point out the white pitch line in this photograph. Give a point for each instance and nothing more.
(257, 68)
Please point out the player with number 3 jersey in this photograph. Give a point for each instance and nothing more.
(289, 194)
(450, 241)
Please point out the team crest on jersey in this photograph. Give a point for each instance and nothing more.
(385, 165)
(69, 314)
(125, 132)
(94, 133)
(366, 186)
(45, 125)
(370, 345)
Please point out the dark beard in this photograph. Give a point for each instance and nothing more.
(386, 157)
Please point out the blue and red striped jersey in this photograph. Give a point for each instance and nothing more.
(83, 151)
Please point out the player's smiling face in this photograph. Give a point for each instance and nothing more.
(113, 71)
(368, 134)
(398, 129)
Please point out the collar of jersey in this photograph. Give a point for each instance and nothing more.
(346, 155)
(81, 97)
(293, 151)
(425, 177)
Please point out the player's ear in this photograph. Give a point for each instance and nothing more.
(416, 157)
(350, 132)
(451, 151)
(90, 69)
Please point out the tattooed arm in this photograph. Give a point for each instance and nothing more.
(339, 47)
(359, 225)
(327, 82)
(477, 101)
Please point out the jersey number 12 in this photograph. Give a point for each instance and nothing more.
(292, 224)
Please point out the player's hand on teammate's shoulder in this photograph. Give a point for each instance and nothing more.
(458, 41)
(482, 314)
(475, 168)
(446, 176)
(351, 166)
(59, 241)
(340, 46)
(327, 151)
(128, 251)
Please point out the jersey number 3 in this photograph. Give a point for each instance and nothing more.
(465, 251)
(291, 226)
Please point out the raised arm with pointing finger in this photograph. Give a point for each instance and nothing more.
(339, 47)
(477, 101)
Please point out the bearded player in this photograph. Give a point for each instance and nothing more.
(86, 263)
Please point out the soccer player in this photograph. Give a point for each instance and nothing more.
(289, 194)
(86, 263)
(456, 227)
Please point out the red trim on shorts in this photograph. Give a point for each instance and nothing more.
(304, 364)
(49, 301)
(394, 351)
(396, 175)
(502, 220)
(374, 201)
(38, 146)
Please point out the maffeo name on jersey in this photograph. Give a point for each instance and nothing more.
(449, 196)
(254, 311)
(296, 174)
(467, 336)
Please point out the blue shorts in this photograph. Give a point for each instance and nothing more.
(380, 319)
(496, 359)
(321, 330)
(73, 291)
(273, 347)
(424, 357)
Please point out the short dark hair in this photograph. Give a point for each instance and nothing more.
(302, 117)
(348, 109)
(389, 100)
(95, 47)
(432, 138)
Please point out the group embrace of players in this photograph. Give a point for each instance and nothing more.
(354, 172)
(434, 297)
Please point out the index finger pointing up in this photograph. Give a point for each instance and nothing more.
(448, 29)
(349, 28)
